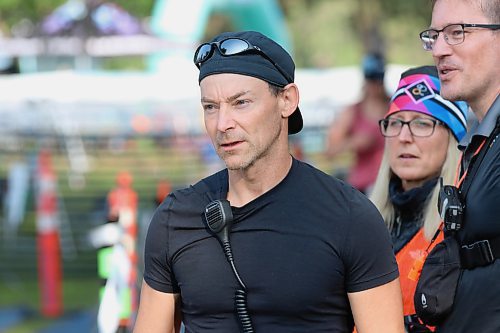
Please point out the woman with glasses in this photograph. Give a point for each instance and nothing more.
(421, 131)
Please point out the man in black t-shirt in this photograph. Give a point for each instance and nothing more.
(303, 251)
(464, 39)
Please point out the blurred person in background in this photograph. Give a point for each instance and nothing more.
(122, 203)
(307, 254)
(464, 39)
(421, 131)
(356, 130)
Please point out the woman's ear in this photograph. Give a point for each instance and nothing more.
(290, 99)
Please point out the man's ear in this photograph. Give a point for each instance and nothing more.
(290, 99)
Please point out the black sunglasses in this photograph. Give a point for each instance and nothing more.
(232, 46)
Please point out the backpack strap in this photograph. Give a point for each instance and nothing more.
(476, 163)
(480, 253)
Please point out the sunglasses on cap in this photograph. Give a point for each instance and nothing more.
(232, 46)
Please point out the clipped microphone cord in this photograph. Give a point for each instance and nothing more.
(218, 216)
(229, 256)
(240, 303)
(240, 297)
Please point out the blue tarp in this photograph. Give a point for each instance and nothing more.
(12, 316)
(77, 322)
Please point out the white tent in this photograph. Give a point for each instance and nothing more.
(106, 103)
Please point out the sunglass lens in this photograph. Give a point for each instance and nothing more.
(203, 53)
(233, 46)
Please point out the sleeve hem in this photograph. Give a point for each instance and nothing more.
(161, 287)
(375, 282)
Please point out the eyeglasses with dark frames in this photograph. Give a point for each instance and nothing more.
(454, 34)
(419, 127)
(233, 46)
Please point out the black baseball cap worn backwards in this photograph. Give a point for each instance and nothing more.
(261, 58)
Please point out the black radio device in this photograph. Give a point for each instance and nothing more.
(219, 217)
(450, 207)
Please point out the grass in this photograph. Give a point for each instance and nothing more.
(78, 293)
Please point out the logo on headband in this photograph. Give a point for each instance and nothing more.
(419, 91)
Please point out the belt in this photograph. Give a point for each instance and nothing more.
(480, 253)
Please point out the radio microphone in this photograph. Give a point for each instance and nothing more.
(219, 217)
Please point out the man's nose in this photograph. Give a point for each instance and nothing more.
(441, 48)
(225, 119)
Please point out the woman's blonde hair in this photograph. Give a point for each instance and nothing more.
(380, 192)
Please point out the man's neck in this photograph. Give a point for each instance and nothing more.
(247, 185)
(481, 105)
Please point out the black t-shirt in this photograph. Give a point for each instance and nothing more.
(299, 248)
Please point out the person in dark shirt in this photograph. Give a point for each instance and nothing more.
(464, 39)
(421, 131)
(301, 251)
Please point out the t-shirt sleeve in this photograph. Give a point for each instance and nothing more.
(157, 269)
(369, 256)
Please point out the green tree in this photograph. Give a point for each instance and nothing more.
(325, 33)
(14, 11)
(338, 32)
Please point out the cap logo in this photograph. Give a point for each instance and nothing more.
(419, 91)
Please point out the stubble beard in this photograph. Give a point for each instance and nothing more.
(451, 92)
(249, 157)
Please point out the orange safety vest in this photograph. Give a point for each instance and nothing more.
(410, 261)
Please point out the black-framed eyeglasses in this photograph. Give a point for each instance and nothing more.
(419, 127)
(453, 33)
(232, 46)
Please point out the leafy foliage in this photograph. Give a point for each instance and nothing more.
(325, 33)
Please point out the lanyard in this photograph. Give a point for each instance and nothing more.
(458, 181)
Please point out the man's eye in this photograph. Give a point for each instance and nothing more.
(455, 31)
(432, 36)
(241, 102)
(208, 107)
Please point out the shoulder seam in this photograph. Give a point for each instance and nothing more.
(168, 211)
